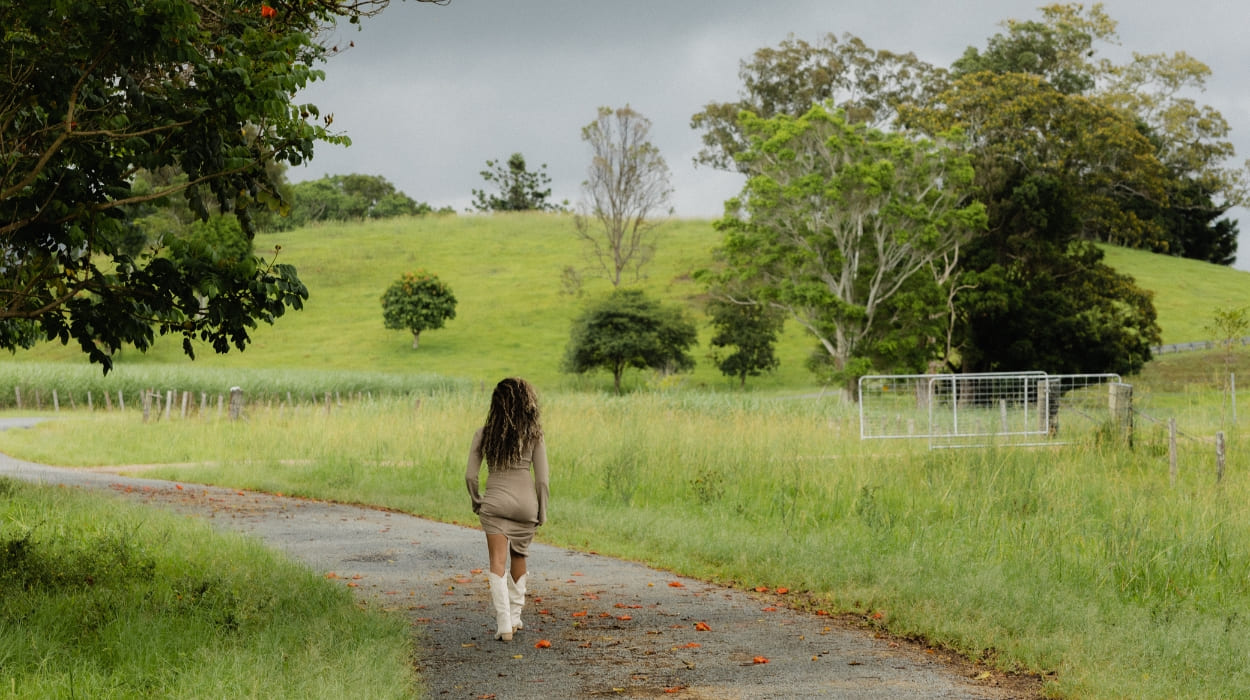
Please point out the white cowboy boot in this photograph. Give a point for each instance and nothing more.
(503, 615)
(516, 599)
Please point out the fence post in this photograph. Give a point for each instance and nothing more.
(1219, 456)
(1043, 405)
(56, 402)
(17, 390)
(121, 401)
(169, 401)
(91, 406)
(108, 402)
(236, 402)
(1172, 450)
(147, 405)
(1120, 403)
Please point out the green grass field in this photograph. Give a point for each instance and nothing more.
(1082, 562)
(514, 313)
(100, 599)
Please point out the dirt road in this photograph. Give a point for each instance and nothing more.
(616, 628)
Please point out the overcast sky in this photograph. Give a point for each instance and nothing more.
(428, 93)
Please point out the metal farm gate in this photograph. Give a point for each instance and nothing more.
(965, 410)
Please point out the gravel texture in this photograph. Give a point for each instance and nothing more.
(615, 628)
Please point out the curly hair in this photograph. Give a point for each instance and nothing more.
(511, 424)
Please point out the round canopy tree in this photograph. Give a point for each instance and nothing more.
(416, 302)
(627, 329)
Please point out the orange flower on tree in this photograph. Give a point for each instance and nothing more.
(268, 12)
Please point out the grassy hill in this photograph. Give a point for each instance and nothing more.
(514, 310)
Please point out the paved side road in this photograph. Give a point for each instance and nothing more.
(615, 628)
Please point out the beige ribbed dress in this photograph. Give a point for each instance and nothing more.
(515, 501)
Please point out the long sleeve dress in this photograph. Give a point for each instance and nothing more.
(515, 501)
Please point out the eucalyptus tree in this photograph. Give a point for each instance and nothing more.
(838, 222)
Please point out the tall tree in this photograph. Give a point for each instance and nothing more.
(517, 187)
(628, 329)
(627, 186)
(836, 219)
(92, 92)
(1154, 91)
(868, 85)
(1052, 169)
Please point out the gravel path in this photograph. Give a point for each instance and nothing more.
(616, 628)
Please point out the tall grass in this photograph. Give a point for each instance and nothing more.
(76, 385)
(1082, 561)
(103, 600)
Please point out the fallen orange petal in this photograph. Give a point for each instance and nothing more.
(761, 589)
(770, 609)
(475, 571)
(759, 660)
(624, 617)
(702, 627)
(580, 614)
(542, 644)
(692, 645)
(783, 590)
(332, 575)
(676, 584)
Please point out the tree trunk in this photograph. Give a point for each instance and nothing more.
(416, 336)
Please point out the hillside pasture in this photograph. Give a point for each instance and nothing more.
(508, 272)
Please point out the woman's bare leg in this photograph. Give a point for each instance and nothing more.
(497, 550)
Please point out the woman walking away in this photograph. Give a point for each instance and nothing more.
(515, 501)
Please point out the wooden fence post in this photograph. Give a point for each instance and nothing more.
(121, 401)
(56, 402)
(1219, 456)
(91, 406)
(1120, 404)
(17, 390)
(236, 402)
(147, 405)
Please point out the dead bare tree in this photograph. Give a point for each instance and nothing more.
(627, 186)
